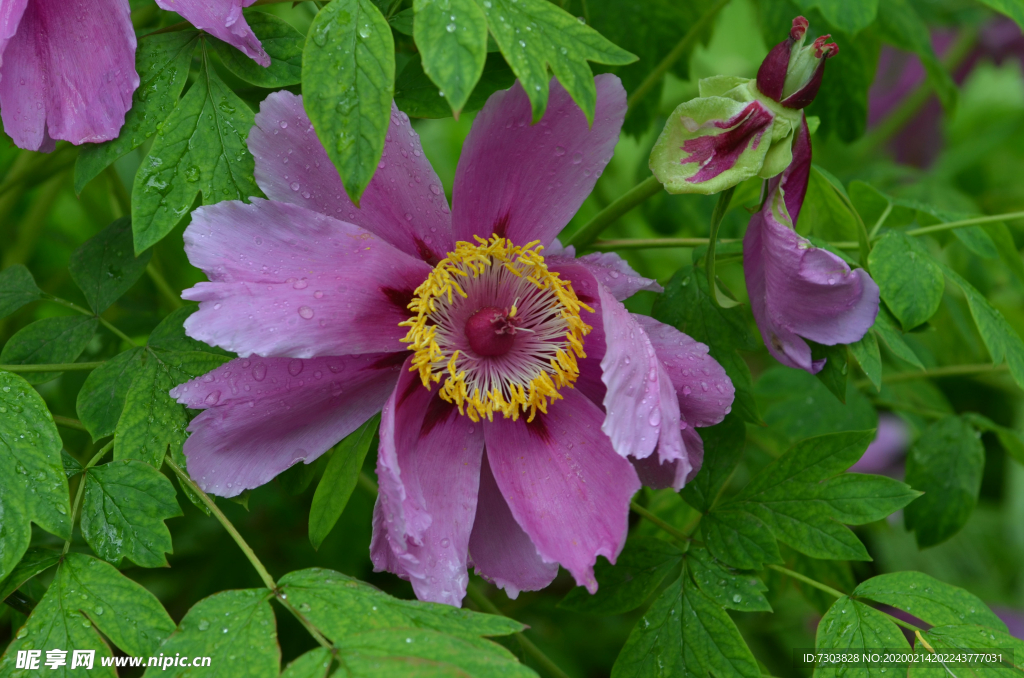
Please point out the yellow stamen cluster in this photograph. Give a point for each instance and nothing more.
(442, 288)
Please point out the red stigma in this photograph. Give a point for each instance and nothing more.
(823, 48)
(491, 331)
(800, 25)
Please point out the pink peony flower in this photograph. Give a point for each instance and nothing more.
(67, 70)
(223, 19)
(798, 291)
(513, 381)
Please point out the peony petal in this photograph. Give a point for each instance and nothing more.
(608, 268)
(222, 19)
(585, 285)
(428, 466)
(704, 389)
(525, 181)
(642, 411)
(263, 415)
(68, 70)
(403, 204)
(501, 552)
(565, 485)
(290, 282)
(674, 473)
(11, 12)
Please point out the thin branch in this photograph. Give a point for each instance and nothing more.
(949, 225)
(68, 422)
(184, 478)
(807, 580)
(81, 490)
(666, 527)
(721, 207)
(162, 286)
(948, 371)
(51, 367)
(85, 311)
(636, 195)
(485, 604)
(668, 243)
(684, 45)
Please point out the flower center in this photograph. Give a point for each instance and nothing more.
(503, 330)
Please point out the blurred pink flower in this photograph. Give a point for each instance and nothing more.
(67, 70)
(886, 452)
(530, 356)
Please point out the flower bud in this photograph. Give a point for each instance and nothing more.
(791, 73)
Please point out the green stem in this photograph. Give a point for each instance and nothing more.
(85, 311)
(724, 198)
(183, 477)
(948, 371)
(485, 604)
(684, 45)
(366, 482)
(881, 220)
(121, 195)
(160, 282)
(666, 527)
(81, 489)
(68, 422)
(903, 407)
(52, 367)
(636, 195)
(665, 243)
(807, 580)
(949, 225)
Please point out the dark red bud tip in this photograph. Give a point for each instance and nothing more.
(823, 48)
(771, 76)
(800, 25)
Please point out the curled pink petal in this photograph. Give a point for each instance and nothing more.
(675, 473)
(565, 485)
(263, 415)
(286, 281)
(223, 19)
(501, 552)
(68, 70)
(404, 203)
(428, 466)
(608, 268)
(524, 181)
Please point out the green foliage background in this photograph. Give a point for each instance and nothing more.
(772, 547)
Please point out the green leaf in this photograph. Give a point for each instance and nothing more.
(824, 214)
(200, 148)
(797, 405)
(723, 446)
(1011, 8)
(1002, 342)
(280, 41)
(849, 16)
(833, 374)
(402, 22)
(72, 467)
(106, 267)
(946, 463)
(1011, 440)
(852, 625)
(969, 637)
(170, 335)
(151, 421)
(886, 330)
(740, 539)
(236, 629)
(48, 341)
(930, 600)
(977, 240)
(101, 398)
(687, 305)
(901, 26)
(338, 481)
(348, 81)
(418, 97)
(314, 664)
(805, 499)
(451, 36)
(729, 588)
(35, 561)
(35, 487)
(89, 597)
(405, 653)
(909, 280)
(869, 358)
(126, 504)
(1000, 235)
(17, 288)
(637, 573)
(708, 642)
(340, 605)
(162, 61)
(535, 34)
(297, 479)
